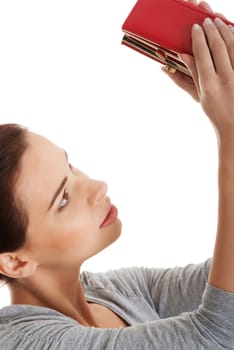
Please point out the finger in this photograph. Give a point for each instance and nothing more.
(194, 2)
(228, 38)
(217, 46)
(204, 63)
(206, 6)
(190, 63)
(231, 28)
(220, 15)
(183, 81)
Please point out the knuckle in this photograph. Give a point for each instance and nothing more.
(209, 87)
(228, 84)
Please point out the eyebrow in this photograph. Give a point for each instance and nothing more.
(66, 155)
(61, 186)
(57, 192)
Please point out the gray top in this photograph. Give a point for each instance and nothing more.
(167, 309)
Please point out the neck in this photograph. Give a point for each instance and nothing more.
(61, 291)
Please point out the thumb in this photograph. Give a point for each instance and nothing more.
(183, 81)
(189, 61)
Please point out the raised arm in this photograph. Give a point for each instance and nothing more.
(213, 86)
(216, 77)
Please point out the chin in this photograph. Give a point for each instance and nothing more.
(119, 228)
(112, 232)
(107, 236)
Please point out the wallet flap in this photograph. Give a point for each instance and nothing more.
(166, 23)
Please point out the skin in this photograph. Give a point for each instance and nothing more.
(212, 68)
(59, 240)
(46, 269)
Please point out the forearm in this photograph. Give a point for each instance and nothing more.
(222, 268)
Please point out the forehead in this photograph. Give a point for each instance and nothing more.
(41, 152)
(40, 172)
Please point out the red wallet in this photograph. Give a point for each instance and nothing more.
(161, 29)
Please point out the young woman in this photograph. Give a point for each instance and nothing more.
(53, 217)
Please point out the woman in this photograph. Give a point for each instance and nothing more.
(53, 217)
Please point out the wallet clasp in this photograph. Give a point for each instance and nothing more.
(157, 52)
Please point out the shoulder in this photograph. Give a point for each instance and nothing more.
(23, 325)
(124, 281)
(30, 327)
(140, 280)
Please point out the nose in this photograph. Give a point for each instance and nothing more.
(96, 190)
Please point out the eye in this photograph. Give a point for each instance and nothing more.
(64, 201)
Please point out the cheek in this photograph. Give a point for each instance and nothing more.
(59, 234)
(77, 241)
(71, 237)
(75, 232)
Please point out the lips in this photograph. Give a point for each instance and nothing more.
(110, 217)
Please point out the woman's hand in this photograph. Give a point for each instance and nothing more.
(180, 79)
(212, 68)
(213, 73)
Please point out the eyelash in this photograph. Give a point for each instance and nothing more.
(66, 198)
(65, 195)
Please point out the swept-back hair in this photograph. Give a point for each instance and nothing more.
(13, 220)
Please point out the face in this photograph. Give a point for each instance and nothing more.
(71, 218)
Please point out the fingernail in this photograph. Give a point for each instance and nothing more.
(231, 28)
(207, 21)
(169, 69)
(196, 27)
(179, 56)
(219, 22)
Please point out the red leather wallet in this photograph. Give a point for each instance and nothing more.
(161, 29)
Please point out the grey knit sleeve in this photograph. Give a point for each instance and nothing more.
(176, 290)
(210, 327)
(205, 321)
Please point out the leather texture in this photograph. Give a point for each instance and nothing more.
(166, 23)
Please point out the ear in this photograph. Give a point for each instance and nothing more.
(14, 266)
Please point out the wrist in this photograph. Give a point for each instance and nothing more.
(226, 146)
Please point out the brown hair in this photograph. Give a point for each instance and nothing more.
(13, 220)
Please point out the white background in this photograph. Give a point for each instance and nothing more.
(65, 74)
